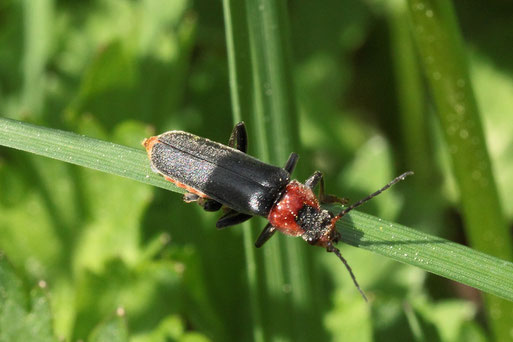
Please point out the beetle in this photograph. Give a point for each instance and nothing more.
(216, 176)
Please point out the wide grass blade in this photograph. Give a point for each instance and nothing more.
(239, 65)
(262, 95)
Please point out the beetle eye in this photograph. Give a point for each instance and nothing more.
(310, 237)
(312, 241)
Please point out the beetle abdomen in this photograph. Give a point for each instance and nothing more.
(224, 174)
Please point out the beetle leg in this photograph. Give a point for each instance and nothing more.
(265, 235)
(323, 197)
(291, 163)
(206, 203)
(326, 198)
(232, 218)
(239, 137)
(314, 179)
(189, 197)
(209, 204)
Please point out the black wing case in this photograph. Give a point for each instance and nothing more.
(224, 174)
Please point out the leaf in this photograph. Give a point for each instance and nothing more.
(170, 328)
(146, 293)
(23, 317)
(349, 320)
(113, 329)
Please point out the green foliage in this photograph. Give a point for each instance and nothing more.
(444, 60)
(114, 329)
(24, 315)
(96, 256)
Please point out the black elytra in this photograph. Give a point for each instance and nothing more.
(218, 176)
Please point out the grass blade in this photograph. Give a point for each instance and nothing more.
(433, 254)
(266, 96)
(81, 150)
(239, 65)
(37, 20)
(441, 50)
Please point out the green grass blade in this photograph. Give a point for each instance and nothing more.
(81, 150)
(239, 65)
(410, 91)
(433, 254)
(37, 20)
(442, 53)
(262, 95)
(273, 124)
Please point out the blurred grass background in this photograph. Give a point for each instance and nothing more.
(86, 244)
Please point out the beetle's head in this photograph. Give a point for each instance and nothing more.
(317, 226)
(319, 230)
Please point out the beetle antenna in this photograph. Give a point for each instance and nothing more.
(331, 248)
(374, 194)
